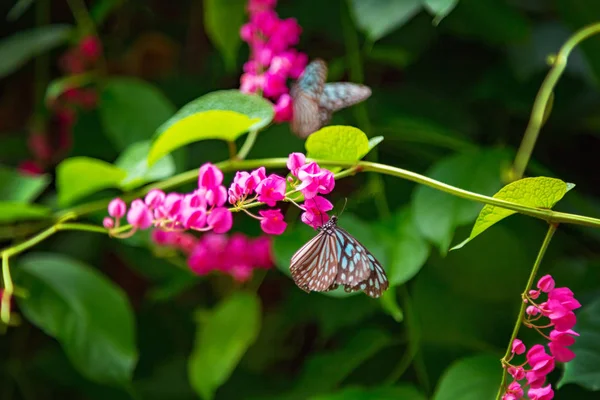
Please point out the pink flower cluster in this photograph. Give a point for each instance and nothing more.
(558, 309)
(49, 142)
(204, 209)
(236, 255)
(201, 210)
(272, 59)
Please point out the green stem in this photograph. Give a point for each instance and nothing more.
(363, 166)
(7, 292)
(551, 229)
(82, 16)
(541, 101)
(248, 144)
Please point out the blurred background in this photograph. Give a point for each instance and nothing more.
(451, 95)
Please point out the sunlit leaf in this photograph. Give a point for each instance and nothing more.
(223, 20)
(473, 378)
(339, 143)
(131, 110)
(89, 316)
(78, 177)
(378, 18)
(222, 338)
(253, 106)
(374, 142)
(540, 192)
(438, 214)
(215, 124)
(20, 187)
(21, 47)
(584, 369)
(13, 211)
(134, 160)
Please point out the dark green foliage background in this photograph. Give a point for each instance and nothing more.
(452, 102)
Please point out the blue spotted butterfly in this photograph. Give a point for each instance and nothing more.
(315, 101)
(334, 258)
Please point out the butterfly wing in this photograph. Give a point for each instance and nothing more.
(340, 95)
(376, 284)
(353, 261)
(306, 93)
(314, 267)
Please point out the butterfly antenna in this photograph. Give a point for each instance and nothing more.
(343, 208)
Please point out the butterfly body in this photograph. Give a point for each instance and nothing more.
(315, 101)
(334, 258)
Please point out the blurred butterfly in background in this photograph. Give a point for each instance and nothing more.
(315, 101)
(334, 258)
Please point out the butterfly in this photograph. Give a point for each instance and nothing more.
(315, 101)
(334, 258)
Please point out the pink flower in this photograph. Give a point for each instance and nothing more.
(559, 343)
(515, 389)
(272, 222)
(251, 83)
(139, 215)
(284, 109)
(315, 180)
(258, 5)
(518, 347)
(275, 85)
(108, 223)
(532, 310)
(172, 204)
(540, 362)
(209, 176)
(192, 217)
(315, 211)
(565, 297)
(154, 198)
(295, 161)
(546, 283)
(90, 48)
(216, 196)
(271, 189)
(30, 167)
(262, 252)
(517, 373)
(162, 238)
(117, 208)
(220, 220)
(534, 379)
(542, 393)
(534, 294)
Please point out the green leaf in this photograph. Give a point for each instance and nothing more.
(19, 48)
(438, 214)
(131, 110)
(60, 85)
(378, 393)
(224, 114)
(407, 249)
(20, 7)
(378, 18)
(215, 124)
(11, 211)
(88, 315)
(473, 378)
(223, 20)
(254, 106)
(134, 160)
(222, 338)
(77, 177)
(390, 305)
(374, 141)
(584, 369)
(338, 143)
(439, 8)
(20, 187)
(540, 192)
(325, 370)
